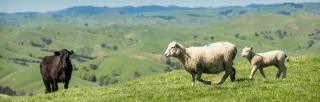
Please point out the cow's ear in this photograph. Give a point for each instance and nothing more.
(71, 52)
(56, 53)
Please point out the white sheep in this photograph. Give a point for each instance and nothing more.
(212, 59)
(259, 61)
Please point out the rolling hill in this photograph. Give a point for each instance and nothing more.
(114, 45)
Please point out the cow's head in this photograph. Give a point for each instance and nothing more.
(65, 56)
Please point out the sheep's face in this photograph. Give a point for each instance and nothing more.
(246, 51)
(174, 49)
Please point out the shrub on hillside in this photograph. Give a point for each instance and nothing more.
(167, 69)
(136, 74)
(104, 80)
(48, 41)
(115, 73)
(33, 44)
(310, 44)
(93, 66)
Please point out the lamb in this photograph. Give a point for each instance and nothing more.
(259, 61)
(211, 59)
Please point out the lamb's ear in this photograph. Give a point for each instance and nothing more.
(71, 52)
(56, 53)
(251, 48)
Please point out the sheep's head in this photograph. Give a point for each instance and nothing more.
(174, 49)
(246, 51)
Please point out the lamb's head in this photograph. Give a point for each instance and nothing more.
(174, 49)
(246, 51)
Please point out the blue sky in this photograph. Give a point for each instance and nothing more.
(10, 6)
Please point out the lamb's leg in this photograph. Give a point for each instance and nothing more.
(262, 73)
(253, 71)
(279, 71)
(193, 78)
(284, 71)
(198, 76)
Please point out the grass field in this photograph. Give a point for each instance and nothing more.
(116, 47)
(301, 85)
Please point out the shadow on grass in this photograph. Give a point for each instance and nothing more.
(243, 79)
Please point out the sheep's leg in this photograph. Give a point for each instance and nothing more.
(262, 73)
(198, 76)
(225, 76)
(253, 71)
(229, 71)
(233, 74)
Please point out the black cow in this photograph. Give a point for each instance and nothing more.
(56, 68)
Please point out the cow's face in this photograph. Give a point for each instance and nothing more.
(65, 56)
(174, 49)
(246, 51)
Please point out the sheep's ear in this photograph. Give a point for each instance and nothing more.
(251, 48)
(177, 45)
(57, 53)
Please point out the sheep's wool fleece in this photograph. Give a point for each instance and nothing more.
(212, 53)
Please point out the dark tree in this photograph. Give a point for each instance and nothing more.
(256, 34)
(211, 38)
(310, 43)
(237, 35)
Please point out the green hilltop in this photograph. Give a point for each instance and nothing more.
(301, 84)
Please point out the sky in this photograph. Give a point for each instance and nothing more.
(11, 6)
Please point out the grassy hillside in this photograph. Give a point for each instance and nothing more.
(116, 47)
(301, 84)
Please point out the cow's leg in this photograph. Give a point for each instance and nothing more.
(47, 85)
(51, 86)
(66, 84)
(198, 77)
(55, 85)
(67, 79)
(253, 71)
(262, 73)
(233, 74)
